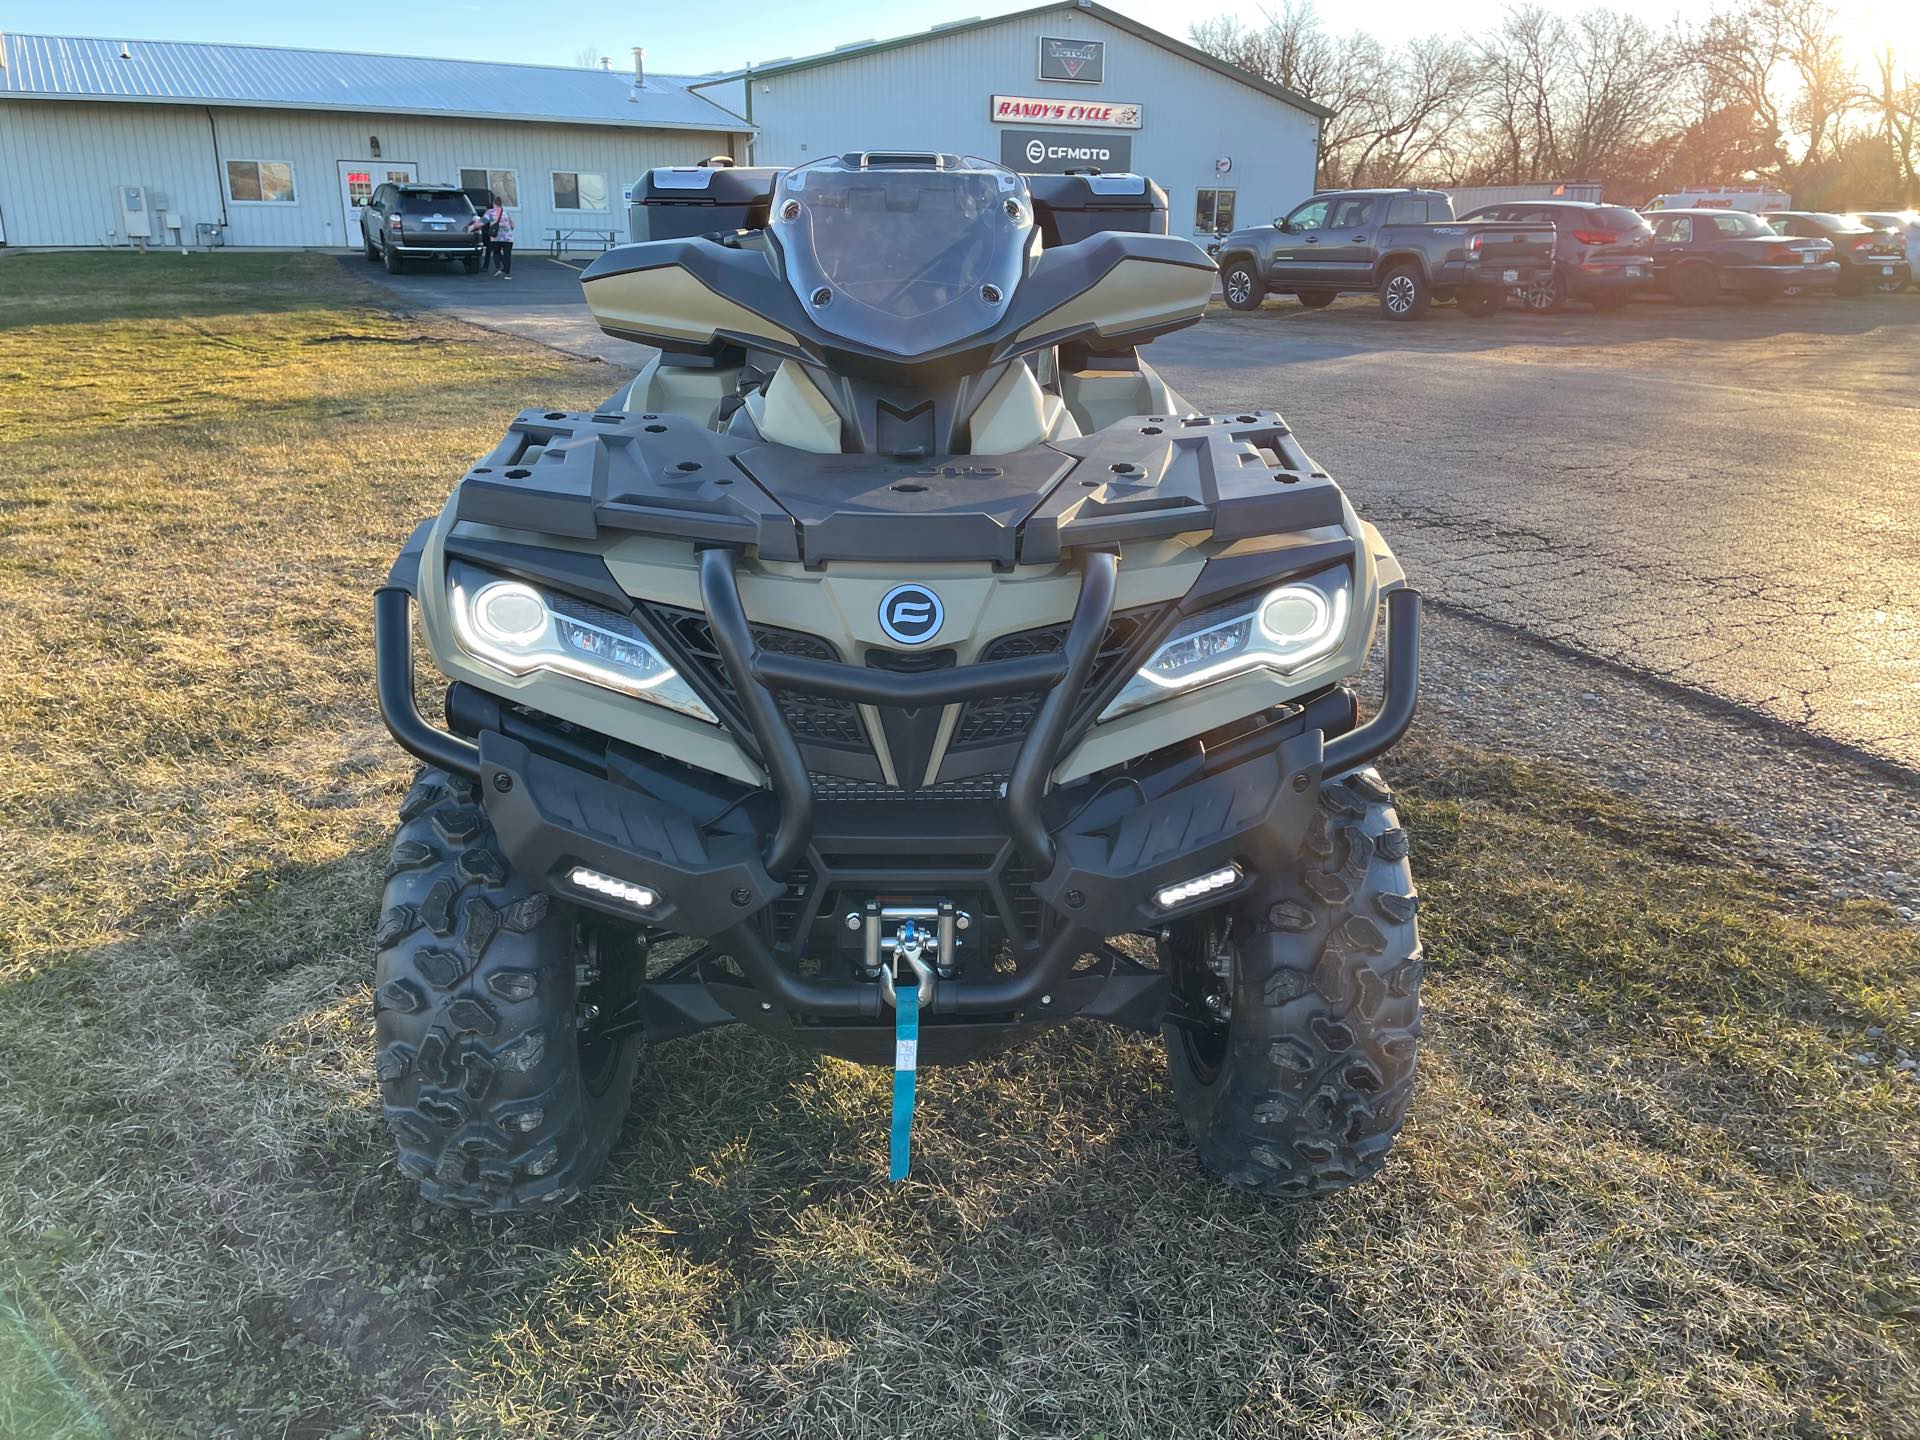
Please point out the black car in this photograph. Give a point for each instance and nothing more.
(1870, 257)
(1699, 254)
(1603, 256)
(420, 222)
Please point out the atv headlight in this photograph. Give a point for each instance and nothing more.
(1286, 629)
(519, 629)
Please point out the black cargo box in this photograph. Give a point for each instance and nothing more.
(1072, 207)
(674, 202)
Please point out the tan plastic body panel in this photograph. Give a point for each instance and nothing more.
(696, 393)
(793, 412)
(1136, 294)
(1099, 398)
(670, 302)
(1016, 414)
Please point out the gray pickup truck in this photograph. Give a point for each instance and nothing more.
(1403, 245)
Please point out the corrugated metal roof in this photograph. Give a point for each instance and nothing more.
(78, 68)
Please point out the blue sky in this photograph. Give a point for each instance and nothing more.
(724, 33)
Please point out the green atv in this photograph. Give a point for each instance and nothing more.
(896, 666)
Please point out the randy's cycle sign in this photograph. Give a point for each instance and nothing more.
(1062, 58)
(1044, 110)
(1054, 152)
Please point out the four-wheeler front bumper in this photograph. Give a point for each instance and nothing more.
(1104, 867)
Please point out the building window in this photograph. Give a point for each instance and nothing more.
(1213, 212)
(260, 181)
(576, 190)
(501, 185)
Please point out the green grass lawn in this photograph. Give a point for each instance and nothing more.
(1662, 1177)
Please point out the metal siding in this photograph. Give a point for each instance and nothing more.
(934, 95)
(60, 162)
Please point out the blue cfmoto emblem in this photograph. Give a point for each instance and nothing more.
(911, 614)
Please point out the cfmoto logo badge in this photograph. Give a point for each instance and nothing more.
(911, 614)
(1036, 151)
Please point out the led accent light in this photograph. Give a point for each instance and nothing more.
(1285, 630)
(612, 888)
(518, 629)
(1174, 896)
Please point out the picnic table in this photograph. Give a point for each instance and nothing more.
(561, 239)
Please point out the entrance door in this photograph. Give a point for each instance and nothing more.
(357, 180)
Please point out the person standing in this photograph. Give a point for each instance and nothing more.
(503, 242)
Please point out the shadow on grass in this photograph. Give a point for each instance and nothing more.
(80, 287)
(1588, 1223)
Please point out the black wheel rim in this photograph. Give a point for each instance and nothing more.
(1203, 1041)
(598, 1050)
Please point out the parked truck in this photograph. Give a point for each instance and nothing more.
(1402, 245)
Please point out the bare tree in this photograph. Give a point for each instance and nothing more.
(1392, 108)
(1898, 103)
(1761, 89)
(589, 57)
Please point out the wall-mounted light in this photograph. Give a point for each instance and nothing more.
(373, 146)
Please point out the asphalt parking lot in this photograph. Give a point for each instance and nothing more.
(1657, 487)
(1727, 497)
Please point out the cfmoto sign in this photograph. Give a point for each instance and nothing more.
(1054, 152)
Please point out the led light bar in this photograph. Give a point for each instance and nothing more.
(1174, 896)
(612, 888)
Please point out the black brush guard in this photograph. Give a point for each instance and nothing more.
(1098, 882)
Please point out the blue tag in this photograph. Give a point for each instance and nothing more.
(906, 1060)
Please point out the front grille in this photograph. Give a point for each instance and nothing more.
(792, 904)
(819, 720)
(1028, 911)
(1009, 717)
(973, 787)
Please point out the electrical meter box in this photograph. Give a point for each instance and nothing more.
(136, 217)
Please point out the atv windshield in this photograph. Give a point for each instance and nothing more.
(906, 255)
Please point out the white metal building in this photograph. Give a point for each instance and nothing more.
(266, 146)
(1063, 85)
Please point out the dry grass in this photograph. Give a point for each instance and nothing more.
(1662, 1178)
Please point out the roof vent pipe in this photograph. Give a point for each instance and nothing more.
(639, 67)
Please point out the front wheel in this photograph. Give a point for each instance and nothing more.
(1296, 1018)
(1404, 294)
(1241, 285)
(500, 1094)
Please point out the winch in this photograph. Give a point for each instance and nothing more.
(925, 935)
